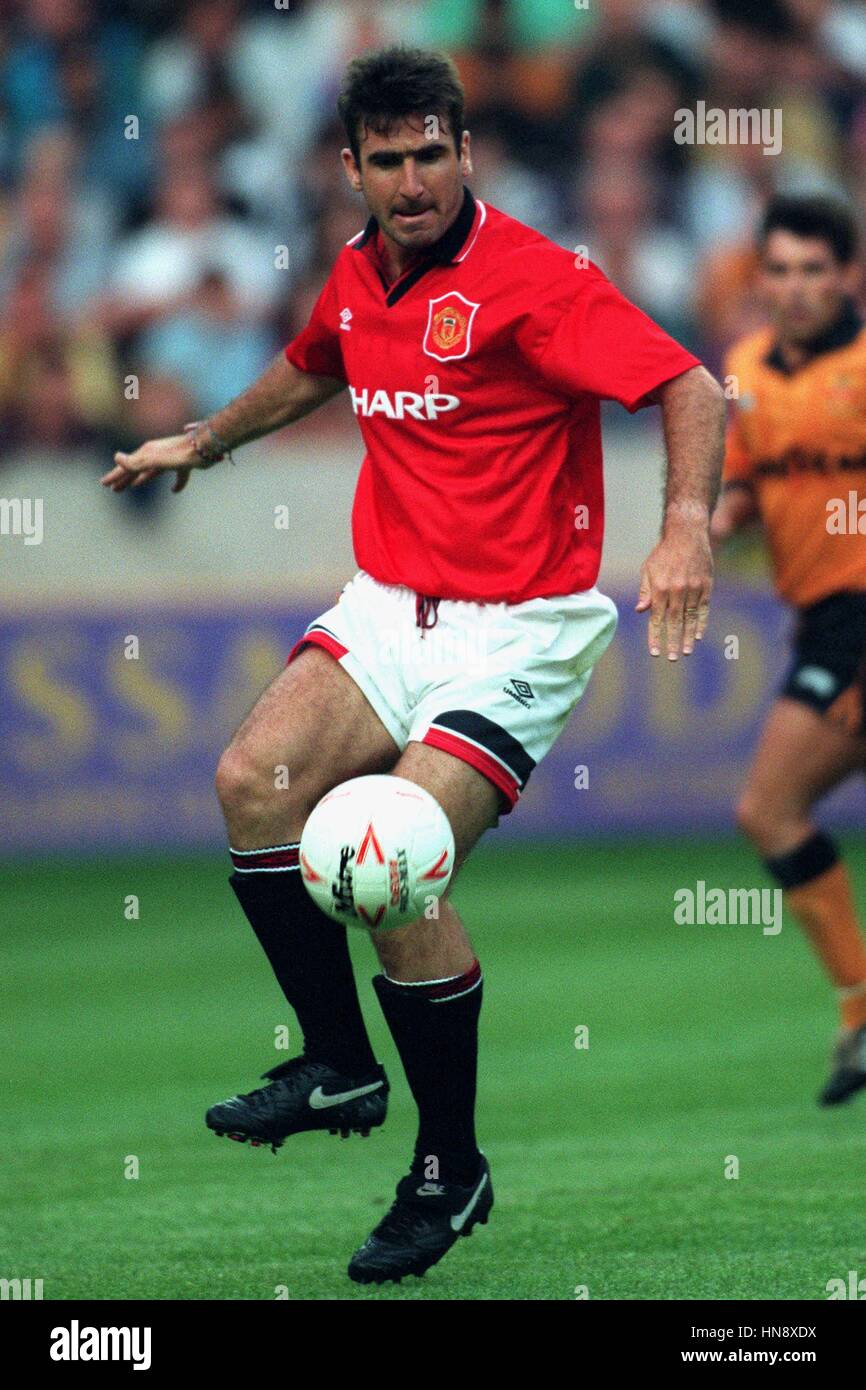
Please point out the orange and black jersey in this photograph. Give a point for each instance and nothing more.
(797, 439)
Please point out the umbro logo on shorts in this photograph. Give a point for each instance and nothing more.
(521, 691)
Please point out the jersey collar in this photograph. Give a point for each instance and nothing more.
(838, 335)
(452, 246)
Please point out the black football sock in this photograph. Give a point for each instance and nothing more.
(435, 1027)
(309, 954)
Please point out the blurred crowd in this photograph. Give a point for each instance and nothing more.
(171, 194)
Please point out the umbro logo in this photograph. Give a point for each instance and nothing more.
(346, 320)
(521, 691)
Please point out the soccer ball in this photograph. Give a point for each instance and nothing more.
(375, 851)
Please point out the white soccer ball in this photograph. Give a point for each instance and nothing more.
(376, 851)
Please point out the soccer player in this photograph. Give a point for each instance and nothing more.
(475, 352)
(795, 459)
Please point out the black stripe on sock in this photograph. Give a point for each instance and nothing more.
(809, 860)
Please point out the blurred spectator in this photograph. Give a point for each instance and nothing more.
(647, 257)
(157, 267)
(338, 222)
(728, 305)
(68, 63)
(54, 218)
(189, 70)
(171, 191)
(498, 179)
(59, 384)
(209, 345)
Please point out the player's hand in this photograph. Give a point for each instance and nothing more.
(735, 508)
(675, 585)
(175, 452)
(721, 527)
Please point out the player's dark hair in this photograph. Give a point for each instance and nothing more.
(381, 89)
(812, 216)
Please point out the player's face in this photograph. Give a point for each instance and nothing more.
(412, 180)
(804, 285)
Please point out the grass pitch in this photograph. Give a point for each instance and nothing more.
(706, 1047)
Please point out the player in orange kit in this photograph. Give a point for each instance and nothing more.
(796, 460)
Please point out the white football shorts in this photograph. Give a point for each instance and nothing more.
(491, 683)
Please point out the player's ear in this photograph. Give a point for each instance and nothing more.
(465, 154)
(852, 279)
(351, 169)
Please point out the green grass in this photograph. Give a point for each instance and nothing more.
(608, 1163)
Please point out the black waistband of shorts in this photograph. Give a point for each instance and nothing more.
(838, 605)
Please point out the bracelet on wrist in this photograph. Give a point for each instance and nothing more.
(207, 453)
(226, 451)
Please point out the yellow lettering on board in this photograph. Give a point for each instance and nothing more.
(673, 711)
(66, 712)
(164, 707)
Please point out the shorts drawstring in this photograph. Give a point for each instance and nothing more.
(424, 607)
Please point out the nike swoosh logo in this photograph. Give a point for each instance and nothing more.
(319, 1101)
(459, 1221)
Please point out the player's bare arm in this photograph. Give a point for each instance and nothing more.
(676, 579)
(736, 507)
(281, 395)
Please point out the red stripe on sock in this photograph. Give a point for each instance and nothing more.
(267, 859)
(445, 989)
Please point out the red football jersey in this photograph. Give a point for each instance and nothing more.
(476, 378)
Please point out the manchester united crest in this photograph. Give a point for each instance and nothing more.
(449, 327)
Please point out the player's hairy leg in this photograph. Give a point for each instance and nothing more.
(801, 756)
(312, 720)
(430, 949)
(314, 723)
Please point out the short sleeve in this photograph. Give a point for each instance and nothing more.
(317, 348)
(604, 346)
